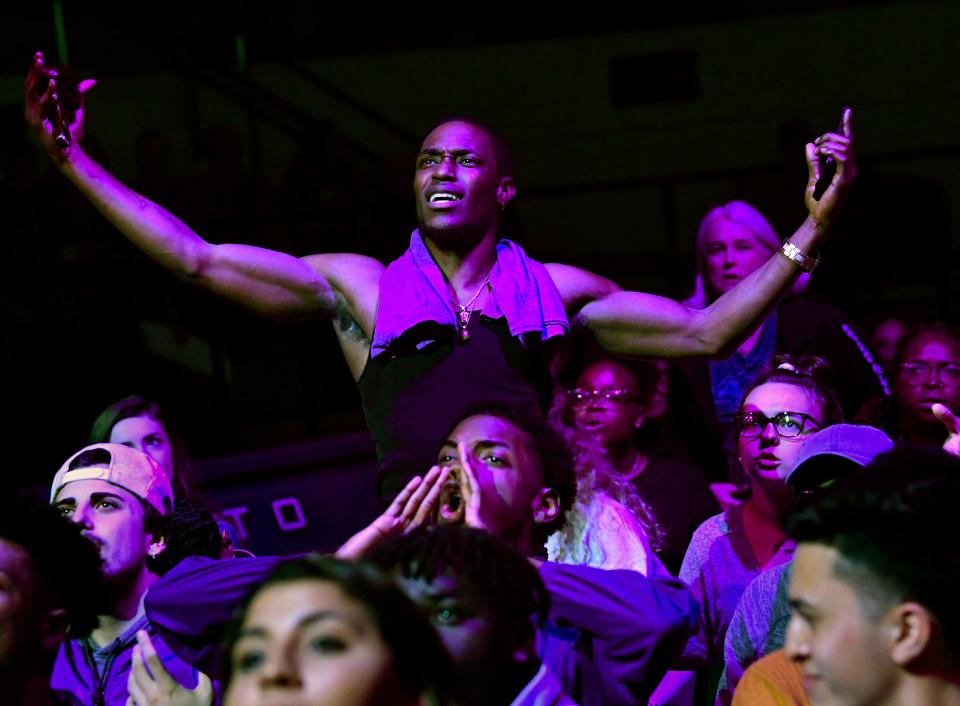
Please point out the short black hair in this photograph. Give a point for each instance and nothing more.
(67, 564)
(557, 458)
(190, 530)
(893, 529)
(501, 150)
(493, 575)
(421, 660)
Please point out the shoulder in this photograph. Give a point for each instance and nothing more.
(770, 580)
(712, 528)
(336, 265)
(577, 286)
(710, 531)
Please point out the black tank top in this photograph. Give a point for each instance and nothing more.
(412, 398)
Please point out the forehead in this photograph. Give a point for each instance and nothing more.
(722, 230)
(458, 135)
(284, 604)
(812, 578)
(485, 427)
(15, 562)
(82, 489)
(607, 373)
(774, 397)
(135, 426)
(891, 328)
(422, 589)
(812, 570)
(932, 346)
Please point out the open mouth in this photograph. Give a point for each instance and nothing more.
(451, 509)
(444, 197)
(96, 541)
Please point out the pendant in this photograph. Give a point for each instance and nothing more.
(464, 317)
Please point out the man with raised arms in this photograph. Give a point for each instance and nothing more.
(408, 330)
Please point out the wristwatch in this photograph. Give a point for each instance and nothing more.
(798, 256)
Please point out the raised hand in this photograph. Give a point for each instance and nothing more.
(952, 424)
(411, 508)
(40, 95)
(470, 494)
(839, 148)
(150, 684)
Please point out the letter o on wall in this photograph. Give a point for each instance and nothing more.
(289, 514)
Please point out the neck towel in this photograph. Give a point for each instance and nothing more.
(413, 291)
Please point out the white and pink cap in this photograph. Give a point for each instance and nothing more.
(122, 466)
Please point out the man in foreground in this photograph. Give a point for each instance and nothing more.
(873, 586)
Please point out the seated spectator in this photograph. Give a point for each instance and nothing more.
(191, 531)
(885, 339)
(609, 407)
(874, 580)
(320, 630)
(705, 395)
(49, 583)
(616, 630)
(926, 372)
(786, 405)
(120, 498)
(759, 623)
(480, 595)
(141, 424)
(608, 526)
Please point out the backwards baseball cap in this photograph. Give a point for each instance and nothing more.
(835, 451)
(125, 467)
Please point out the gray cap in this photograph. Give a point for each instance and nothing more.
(825, 454)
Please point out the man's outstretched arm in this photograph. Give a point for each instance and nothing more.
(264, 281)
(633, 323)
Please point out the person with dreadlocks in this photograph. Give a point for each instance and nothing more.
(479, 593)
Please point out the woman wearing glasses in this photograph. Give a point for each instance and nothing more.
(609, 408)
(926, 371)
(790, 400)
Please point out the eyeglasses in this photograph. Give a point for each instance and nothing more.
(918, 373)
(617, 395)
(788, 425)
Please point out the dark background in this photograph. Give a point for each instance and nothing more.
(294, 128)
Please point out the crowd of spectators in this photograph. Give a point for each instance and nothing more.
(591, 527)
